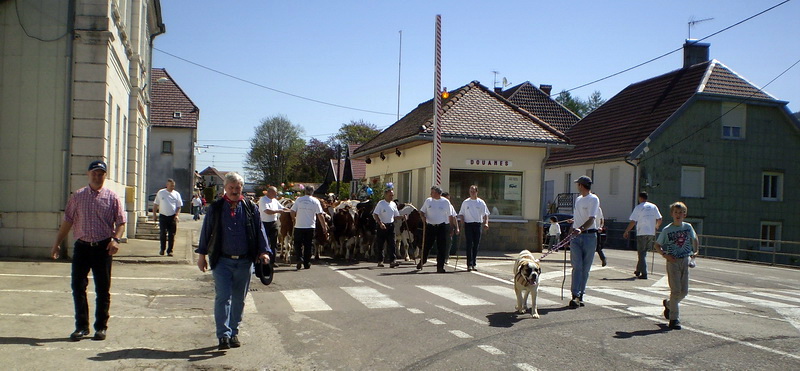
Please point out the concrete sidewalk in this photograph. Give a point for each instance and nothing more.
(146, 251)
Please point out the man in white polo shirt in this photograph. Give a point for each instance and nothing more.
(270, 210)
(385, 213)
(435, 213)
(305, 211)
(647, 219)
(474, 214)
(167, 206)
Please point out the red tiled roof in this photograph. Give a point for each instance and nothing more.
(472, 113)
(358, 166)
(538, 103)
(166, 99)
(617, 127)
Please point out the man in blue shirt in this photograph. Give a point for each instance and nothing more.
(233, 237)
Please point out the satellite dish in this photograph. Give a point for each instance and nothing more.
(505, 82)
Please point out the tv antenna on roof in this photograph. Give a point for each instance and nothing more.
(495, 78)
(693, 22)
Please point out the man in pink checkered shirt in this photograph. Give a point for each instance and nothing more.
(99, 219)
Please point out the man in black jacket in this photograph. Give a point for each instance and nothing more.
(233, 238)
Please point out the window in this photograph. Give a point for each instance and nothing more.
(502, 191)
(567, 182)
(613, 186)
(166, 146)
(117, 136)
(176, 115)
(404, 188)
(770, 233)
(772, 186)
(110, 121)
(692, 181)
(734, 117)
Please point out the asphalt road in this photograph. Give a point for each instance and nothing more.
(357, 316)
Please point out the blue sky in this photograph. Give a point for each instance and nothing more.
(346, 53)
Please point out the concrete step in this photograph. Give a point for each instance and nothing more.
(148, 236)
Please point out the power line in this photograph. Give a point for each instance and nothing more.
(269, 88)
(678, 49)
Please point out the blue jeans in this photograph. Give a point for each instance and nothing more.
(231, 282)
(581, 255)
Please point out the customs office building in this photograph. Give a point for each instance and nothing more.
(487, 140)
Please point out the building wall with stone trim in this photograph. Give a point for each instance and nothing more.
(56, 116)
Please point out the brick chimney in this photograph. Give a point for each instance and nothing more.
(498, 89)
(546, 88)
(694, 52)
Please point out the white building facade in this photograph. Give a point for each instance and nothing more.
(73, 89)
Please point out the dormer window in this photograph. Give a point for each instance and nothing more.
(176, 115)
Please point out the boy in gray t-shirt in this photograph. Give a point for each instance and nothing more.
(677, 243)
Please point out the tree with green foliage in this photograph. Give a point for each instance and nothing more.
(579, 106)
(314, 161)
(355, 132)
(275, 147)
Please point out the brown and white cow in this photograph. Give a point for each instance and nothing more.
(343, 239)
(408, 233)
(285, 232)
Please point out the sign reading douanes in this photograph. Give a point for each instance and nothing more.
(487, 163)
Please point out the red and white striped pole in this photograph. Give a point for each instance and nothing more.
(437, 104)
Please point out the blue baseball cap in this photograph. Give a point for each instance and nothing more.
(98, 165)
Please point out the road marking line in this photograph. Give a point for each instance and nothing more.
(491, 350)
(348, 275)
(722, 337)
(756, 301)
(463, 315)
(792, 315)
(112, 316)
(305, 300)
(92, 293)
(435, 321)
(460, 334)
(694, 299)
(92, 277)
(592, 300)
(776, 296)
(662, 282)
(250, 305)
(375, 281)
(526, 367)
(371, 298)
(652, 300)
(550, 275)
(454, 295)
(415, 310)
(510, 294)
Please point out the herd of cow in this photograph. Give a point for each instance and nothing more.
(351, 231)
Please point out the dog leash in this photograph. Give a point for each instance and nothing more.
(561, 244)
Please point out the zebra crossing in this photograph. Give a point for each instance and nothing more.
(645, 300)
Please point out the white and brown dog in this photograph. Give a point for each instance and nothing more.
(526, 281)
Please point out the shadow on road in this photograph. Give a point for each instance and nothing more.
(505, 319)
(619, 279)
(31, 341)
(191, 355)
(627, 335)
